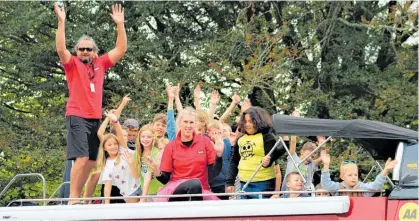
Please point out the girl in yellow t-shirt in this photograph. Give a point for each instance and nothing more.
(256, 124)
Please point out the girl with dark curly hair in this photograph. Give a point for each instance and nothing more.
(255, 143)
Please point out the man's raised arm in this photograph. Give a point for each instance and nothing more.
(62, 51)
(121, 39)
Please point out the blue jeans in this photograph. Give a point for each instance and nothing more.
(261, 186)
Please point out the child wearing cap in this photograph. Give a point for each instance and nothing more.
(131, 126)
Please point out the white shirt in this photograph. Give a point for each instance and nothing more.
(120, 175)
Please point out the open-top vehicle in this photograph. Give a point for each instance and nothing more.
(381, 140)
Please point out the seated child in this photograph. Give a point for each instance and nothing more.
(349, 175)
(117, 167)
(321, 194)
(294, 182)
(215, 132)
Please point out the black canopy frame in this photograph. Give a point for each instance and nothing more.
(378, 138)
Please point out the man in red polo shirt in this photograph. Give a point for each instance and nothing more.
(85, 75)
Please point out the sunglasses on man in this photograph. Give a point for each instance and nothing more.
(85, 49)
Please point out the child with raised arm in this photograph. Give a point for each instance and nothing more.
(349, 176)
(116, 163)
(218, 184)
(172, 94)
(307, 167)
(94, 177)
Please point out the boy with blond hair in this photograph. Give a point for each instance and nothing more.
(349, 176)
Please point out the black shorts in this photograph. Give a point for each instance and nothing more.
(82, 139)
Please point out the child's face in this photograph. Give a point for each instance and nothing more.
(324, 194)
(226, 131)
(248, 125)
(295, 183)
(305, 153)
(350, 177)
(131, 134)
(146, 138)
(111, 146)
(213, 133)
(160, 128)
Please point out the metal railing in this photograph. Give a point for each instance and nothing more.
(56, 190)
(44, 185)
(195, 195)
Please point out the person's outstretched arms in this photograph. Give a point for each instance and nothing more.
(62, 51)
(121, 40)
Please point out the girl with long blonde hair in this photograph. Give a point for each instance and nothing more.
(147, 147)
(117, 164)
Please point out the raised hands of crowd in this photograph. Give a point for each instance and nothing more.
(175, 90)
(152, 164)
(127, 156)
(59, 12)
(125, 100)
(112, 117)
(170, 93)
(246, 105)
(197, 97)
(219, 144)
(117, 14)
(215, 97)
(235, 99)
(390, 164)
(325, 159)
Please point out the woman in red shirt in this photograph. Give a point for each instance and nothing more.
(188, 162)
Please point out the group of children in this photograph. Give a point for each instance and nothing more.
(130, 156)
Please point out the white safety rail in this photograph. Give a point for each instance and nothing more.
(182, 210)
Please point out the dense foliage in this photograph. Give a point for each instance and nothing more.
(339, 60)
